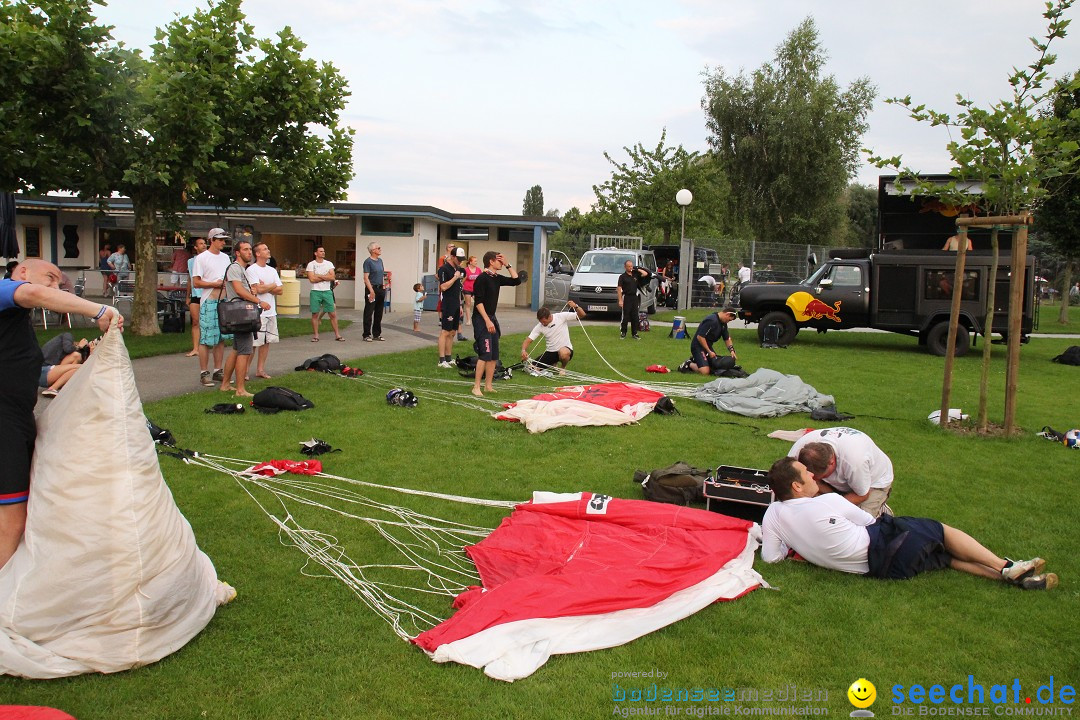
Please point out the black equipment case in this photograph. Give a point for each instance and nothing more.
(738, 492)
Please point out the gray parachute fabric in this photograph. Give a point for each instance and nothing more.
(765, 393)
(108, 576)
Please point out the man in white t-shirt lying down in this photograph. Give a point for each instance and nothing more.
(555, 327)
(831, 532)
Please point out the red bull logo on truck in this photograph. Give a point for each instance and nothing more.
(805, 306)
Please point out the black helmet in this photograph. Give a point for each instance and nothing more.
(401, 398)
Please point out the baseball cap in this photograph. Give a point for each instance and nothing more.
(459, 253)
(217, 233)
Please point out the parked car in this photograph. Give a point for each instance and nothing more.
(557, 278)
(594, 283)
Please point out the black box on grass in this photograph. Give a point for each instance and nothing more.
(739, 492)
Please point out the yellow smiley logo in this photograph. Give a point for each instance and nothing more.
(862, 693)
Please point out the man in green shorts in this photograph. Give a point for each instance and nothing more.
(320, 273)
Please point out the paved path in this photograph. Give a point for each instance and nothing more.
(168, 375)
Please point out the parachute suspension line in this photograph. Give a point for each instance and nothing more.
(449, 574)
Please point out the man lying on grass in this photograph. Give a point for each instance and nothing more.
(831, 532)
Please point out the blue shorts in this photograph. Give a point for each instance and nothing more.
(209, 332)
(487, 344)
(903, 547)
(43, 379)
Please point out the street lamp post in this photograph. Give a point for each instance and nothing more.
(684, 197)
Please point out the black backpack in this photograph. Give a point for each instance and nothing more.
(678, 484)
(323, 363)
(467, 367)
(274, 399)
(1071, 356)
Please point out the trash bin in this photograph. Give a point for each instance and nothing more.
(288, 302)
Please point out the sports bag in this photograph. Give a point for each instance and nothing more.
(1071, 356)
(238, 315)
(678, 484)
(323, 363)
(274, 399)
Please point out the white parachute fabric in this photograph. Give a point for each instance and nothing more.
(108, 576)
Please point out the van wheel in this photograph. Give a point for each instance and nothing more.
(788, 328)
(937, 340)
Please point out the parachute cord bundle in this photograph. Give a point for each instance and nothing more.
(431, 546)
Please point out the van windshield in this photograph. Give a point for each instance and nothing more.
(599, 262)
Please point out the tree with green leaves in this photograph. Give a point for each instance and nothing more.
(1011, 150)
(215, 115)
(639, 197)
(787, 137)
(61, 112)
(533, 205)
(861, 202)
(1057, 220)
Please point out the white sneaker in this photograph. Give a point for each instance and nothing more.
(445, 364)
(1021, 569)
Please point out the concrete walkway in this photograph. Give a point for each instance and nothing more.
(164, 376)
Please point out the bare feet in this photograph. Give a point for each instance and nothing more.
(314, 339)
(226, 388)
(193, 353)
(490, 389)
(262, 374)
(477, 393)
(243, 393)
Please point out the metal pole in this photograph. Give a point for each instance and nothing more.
(686, 257)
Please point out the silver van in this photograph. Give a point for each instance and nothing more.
(593, 286)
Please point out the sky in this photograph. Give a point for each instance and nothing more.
(466, 104)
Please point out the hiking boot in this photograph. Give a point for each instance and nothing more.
(1048, 581)
(204, 378)
(1021, 569)
(219, 375)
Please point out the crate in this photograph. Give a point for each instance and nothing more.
(739, 492)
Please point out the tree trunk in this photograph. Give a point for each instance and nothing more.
(988, 330)
(1063, 312)
(144, 310)
(1016, 310)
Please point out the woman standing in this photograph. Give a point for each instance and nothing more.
(194, 247)
(471, 273)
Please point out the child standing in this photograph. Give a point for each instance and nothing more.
(418, 306)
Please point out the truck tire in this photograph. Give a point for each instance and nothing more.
(937, 340)
(788, 328)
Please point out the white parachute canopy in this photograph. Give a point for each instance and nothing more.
(108, 576)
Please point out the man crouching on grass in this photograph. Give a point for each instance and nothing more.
(831, 532)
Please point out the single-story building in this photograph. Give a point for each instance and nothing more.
(69, 232)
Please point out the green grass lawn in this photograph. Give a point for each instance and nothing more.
(296, 646)
(168, 343)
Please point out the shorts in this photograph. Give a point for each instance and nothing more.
(43, 379)
(551, 357)
(17, 449)
(699, 356)
(268, 332)
(901, 548)
(209, 332)
(321, 301)
(450, 320)
(417, 315)
(243, 343)
(487, 344)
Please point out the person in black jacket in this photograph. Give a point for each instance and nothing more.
(629, 283)
(485, 324)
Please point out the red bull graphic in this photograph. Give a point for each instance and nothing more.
(805, 306)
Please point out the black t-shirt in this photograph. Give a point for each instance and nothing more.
(629, 285)
(20, 359)
(451, 297)
(712, 329)
(486, 291)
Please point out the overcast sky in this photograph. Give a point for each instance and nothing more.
(465, 104)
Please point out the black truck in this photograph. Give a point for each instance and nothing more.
(903, 291)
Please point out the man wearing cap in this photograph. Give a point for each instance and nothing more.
(451, 277)
(33, 284)
(208, 275)
(320, 273)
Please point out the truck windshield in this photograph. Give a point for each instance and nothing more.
(597, 262)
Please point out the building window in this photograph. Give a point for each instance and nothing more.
(386, 226)
(32, 241)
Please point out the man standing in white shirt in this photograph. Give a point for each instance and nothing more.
(556, 331)
(266, 284)
(846, 461)
(208, 275)
(744, 274)
(830, 532)
(320, 273)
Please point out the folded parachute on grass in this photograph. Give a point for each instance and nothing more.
(576, 572)
(766, 393)
(108, 576)
(583, 405)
